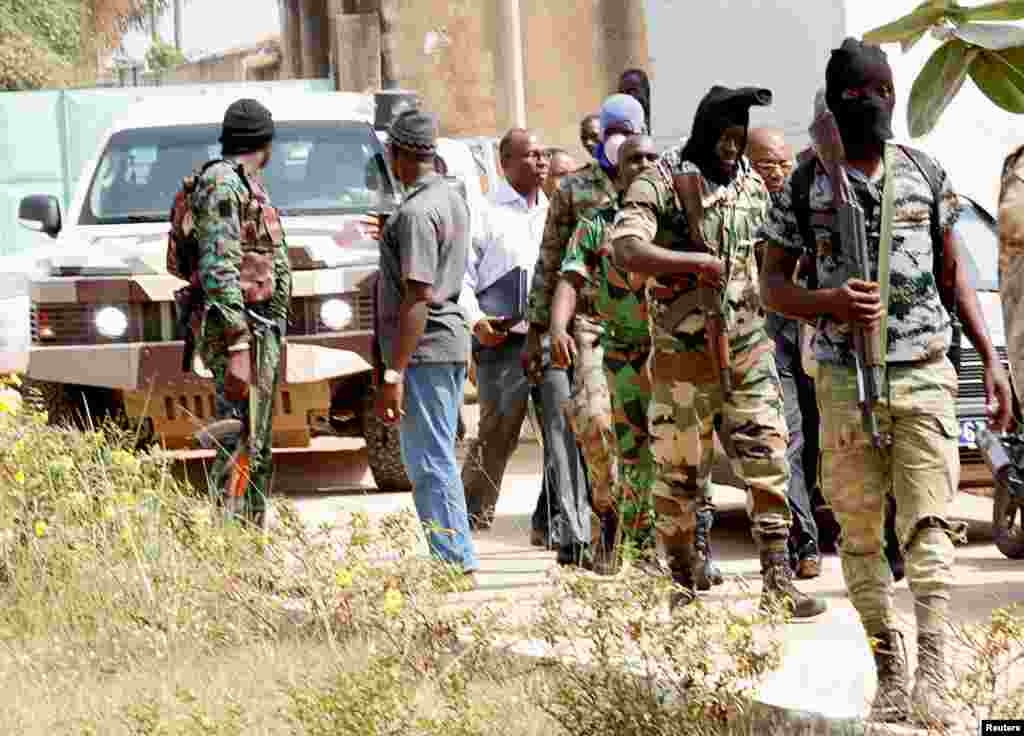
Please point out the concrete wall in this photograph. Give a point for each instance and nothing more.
(573, 53)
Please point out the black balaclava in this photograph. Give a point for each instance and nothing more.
(721, 109)
(248, 126)
(645, 98)
(865, 120)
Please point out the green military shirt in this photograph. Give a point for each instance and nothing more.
(579, 194)
(229, 220)
(652, 212)
(618, 296)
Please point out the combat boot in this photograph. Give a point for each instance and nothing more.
(892, 698)
(705, 571)
(778, 589)
(929, 702)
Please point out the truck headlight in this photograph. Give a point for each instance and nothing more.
(111, 322)
(336, 314)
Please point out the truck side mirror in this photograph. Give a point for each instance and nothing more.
(40, 212)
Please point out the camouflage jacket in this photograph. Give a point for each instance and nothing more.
(652, 212)
(618, 295)
(232, 227)
(578, 195)
(918, 324)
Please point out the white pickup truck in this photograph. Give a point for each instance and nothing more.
(102, 319)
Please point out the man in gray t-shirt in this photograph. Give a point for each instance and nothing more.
(423, 335)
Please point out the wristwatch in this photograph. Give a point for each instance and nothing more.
(392, 377)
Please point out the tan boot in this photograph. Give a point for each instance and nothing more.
(929, 703)
(778, 589)
(892, 698)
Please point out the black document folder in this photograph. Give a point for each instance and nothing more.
(505, 299)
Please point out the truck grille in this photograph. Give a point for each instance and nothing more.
(75, 324)
(970, 403)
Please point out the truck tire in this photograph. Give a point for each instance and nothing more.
(1007, 523)
(383, 452)
(83, 407)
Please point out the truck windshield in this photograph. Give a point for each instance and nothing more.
(315, 169)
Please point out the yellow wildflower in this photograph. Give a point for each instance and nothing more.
(124, 459)
(40, 528)
(19, 477)
(344, 578)
(8, 405)
(393, 602)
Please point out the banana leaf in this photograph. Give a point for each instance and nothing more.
(1004, 10)
(991, 36)
(1000, 75)
(912, 26)
(937, 85)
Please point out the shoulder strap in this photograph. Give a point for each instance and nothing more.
(930, 173)
(801, 182)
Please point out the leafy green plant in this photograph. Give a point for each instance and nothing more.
(162, 55)
(990, 53)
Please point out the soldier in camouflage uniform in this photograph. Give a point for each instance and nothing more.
(246, 278)
(691, 227)
(579, 195)
(619, 304)
(585, 270)
(919, 462)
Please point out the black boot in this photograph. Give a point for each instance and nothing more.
(892, 698)
(705, 571)
(778, 588)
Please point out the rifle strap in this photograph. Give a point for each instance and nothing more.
(885, 243)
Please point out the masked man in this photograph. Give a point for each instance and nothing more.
(691, 230)
(247, 281)
(919, 462)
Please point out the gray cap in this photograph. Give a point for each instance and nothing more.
(415, 131)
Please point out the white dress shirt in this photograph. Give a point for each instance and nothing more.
(508, 234)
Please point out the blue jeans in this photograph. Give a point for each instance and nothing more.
(433, 395)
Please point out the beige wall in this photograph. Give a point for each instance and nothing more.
(573, 53)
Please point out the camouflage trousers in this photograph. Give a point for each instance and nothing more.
(256, 412)
(686, 404)
(630, 385)
(921, 468)
(589, 411)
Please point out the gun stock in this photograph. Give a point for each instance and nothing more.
(716, 337)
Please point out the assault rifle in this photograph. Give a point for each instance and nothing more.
(867, 343)
(689, 189)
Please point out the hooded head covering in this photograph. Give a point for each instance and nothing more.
(248, 126)
(865, 119)
(619, 111)
(722, 108)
